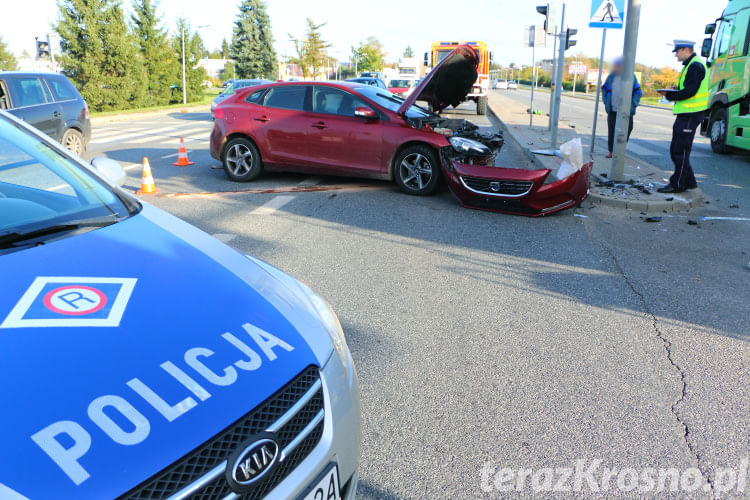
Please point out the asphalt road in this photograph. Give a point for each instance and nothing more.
(485, 341)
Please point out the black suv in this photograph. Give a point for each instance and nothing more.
(49, 102)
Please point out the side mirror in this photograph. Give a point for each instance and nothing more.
(110, 170)
(426, 58)
(710, 29)
(706, 49)
(364, 112)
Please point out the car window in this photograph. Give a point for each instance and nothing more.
(333, 101)
(61, 89)
(4, 101)
(254, 98)
(391, 102)
(40, 186)
(26, 91)
(287, 97)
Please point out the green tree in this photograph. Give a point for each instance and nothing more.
(408, 52)
(158, 58)
(311, 50)
(7, 59)
(252, 42)
(194, 50)
(224, 49)
(369, 56)
(228, 72)
(99, 53)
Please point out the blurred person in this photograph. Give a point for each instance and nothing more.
(611, 95)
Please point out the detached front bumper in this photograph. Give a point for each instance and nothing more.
(514, 190)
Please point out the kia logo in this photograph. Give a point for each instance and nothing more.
(252, 462)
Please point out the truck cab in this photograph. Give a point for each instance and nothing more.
(726, 51)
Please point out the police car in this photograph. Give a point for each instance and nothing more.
(142, 358)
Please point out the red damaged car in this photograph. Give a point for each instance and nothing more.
(359, 130)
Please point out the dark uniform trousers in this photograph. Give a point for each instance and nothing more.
(683, 134)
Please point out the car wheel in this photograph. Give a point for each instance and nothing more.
(72, 139)
(417, 170)
(717, 129)
(241, 159)
(482, 105)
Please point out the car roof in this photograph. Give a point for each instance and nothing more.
(30, 73)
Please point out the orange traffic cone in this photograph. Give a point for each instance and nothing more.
(147, 180)
(182, 157)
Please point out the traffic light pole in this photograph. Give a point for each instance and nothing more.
(558, 78)
(552, 83)
(533, 76)
(617, 169)
(598, 89)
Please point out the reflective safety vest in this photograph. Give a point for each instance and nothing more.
(699, 102)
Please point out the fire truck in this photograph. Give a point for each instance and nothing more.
(480, 90)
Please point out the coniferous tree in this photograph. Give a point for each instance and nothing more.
(408, 52)
(99, 53)
(311, 51)
(252, 42)
(7, 59)
(194, 50)
(224, 49)
(157, 55)
(228, 71)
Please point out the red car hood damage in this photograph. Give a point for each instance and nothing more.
(448, 83)
(515, 190)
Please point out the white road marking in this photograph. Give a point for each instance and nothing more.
(272, 205)
(175, 154)
(310, 181)
(224, 237)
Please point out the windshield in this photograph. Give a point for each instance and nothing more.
(391, 102)
(40, 187)
(400, 84)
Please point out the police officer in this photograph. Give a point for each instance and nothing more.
(691, 100)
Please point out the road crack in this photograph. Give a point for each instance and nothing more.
(668, 351)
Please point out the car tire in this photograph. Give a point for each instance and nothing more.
(73, 141)
(241, 160)
(417, 170)
(718, 126)
(482, 106)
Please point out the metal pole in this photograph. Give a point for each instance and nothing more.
(533, 74)
(598, 89)
(558, 87)
(552, 83)
(617, 169)
(184, 91)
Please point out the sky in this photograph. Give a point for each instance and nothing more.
(415, 23)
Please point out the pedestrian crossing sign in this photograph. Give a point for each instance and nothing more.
(607, 14)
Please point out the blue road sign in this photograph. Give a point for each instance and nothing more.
(607, 14)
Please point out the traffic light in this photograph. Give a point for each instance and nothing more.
(42, 48)
(568, 42)
(544, 10)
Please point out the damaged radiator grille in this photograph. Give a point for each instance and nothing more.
(493, 186)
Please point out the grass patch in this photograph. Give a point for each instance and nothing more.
(208, 96)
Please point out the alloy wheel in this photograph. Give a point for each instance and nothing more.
(415, 171)
(239, 159)
(73, 143)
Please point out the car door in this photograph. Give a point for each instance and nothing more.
(31, 102)
(340, 142)
(281, 125)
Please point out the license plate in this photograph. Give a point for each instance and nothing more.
(327, 487)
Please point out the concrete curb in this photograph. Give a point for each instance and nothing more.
(126, 117)
(679, 202)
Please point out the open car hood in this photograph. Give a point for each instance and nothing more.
(448, 83)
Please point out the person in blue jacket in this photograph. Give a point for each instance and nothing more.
(611, 95)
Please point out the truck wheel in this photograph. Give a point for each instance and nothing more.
(718, 126)
(482, 105)
(73, 141)
(417, 170)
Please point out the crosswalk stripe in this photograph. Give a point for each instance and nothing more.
(272, 205)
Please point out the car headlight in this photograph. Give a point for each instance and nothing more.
(316, 305)
(468, 146)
